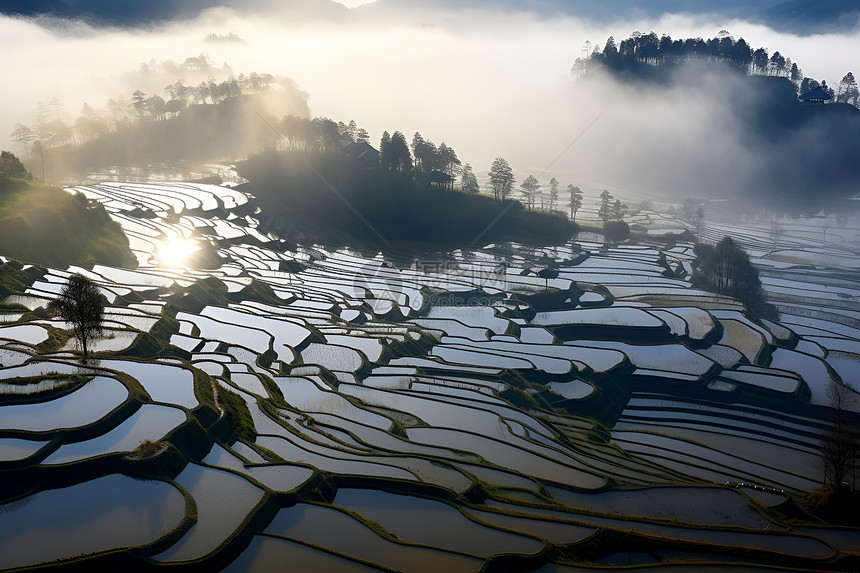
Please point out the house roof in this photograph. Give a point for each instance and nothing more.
(816, 94)
(437, 176)
(358, 148)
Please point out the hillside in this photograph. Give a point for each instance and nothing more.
(234, 127)
(325, 197)
(46, 225)
(788, 150)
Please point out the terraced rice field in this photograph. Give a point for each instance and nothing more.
(348, 410)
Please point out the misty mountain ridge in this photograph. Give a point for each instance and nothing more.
(796, 16)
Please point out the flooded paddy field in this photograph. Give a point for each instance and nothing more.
(348, 409)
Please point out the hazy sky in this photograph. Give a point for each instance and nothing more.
(485, 83)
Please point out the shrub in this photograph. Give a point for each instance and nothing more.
(616, 230)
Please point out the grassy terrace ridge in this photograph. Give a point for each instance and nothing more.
(316, 196)
(45, 225)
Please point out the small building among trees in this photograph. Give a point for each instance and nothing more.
(440, 179)
(816, 96)
(364, 154)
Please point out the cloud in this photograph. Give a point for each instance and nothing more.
(486, 83)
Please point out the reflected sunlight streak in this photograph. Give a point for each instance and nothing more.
(174, 252)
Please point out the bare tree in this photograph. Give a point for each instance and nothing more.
(840, 444)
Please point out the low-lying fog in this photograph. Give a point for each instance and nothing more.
(488, 84)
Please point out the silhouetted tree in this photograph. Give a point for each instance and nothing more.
(425, 152)
(840, 443)
(553, 190)
(530, 188)
(618, 209)
(726, 269)
(605, 210)
(808, 84)
(796, 74)
(777, 64)
(384, 152)
(575, 200)
(448, 160)
(469, 183)
(501, 178)
(760, 61)
(848, 92)
(399, 158)
(82, 305)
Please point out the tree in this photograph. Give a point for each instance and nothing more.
(808, 84)
(618, 210)
(39, 151)
(425, 152)
(138, 101)
(469, 183)
(11, 166)
(385, 152)
(796, 74)
(575, 200)
(700, 218)
(23, 135)
(501, 178)
(156, 107)
(760, 61)
(448, 160)
(530, 188)
(840, 443)
(848, 92)
(688, 211)
(605, 211)
(82, 305)
(399, 158)
(361, 136)
(777, 64)
(553, 190)
(726, 269)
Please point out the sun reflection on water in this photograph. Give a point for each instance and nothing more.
(173, 253)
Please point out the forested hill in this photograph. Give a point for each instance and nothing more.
(326, 197)
(804, 151)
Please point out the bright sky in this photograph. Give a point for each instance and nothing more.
(354, 3)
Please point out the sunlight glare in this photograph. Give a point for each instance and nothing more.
(173, 253)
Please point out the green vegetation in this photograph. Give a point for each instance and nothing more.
(11, 167)
(325, 196)
(46, 225)
(15, 280)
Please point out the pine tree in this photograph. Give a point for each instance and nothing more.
(553, 189)
(575, 200)
(469, 183)
(605, 211)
